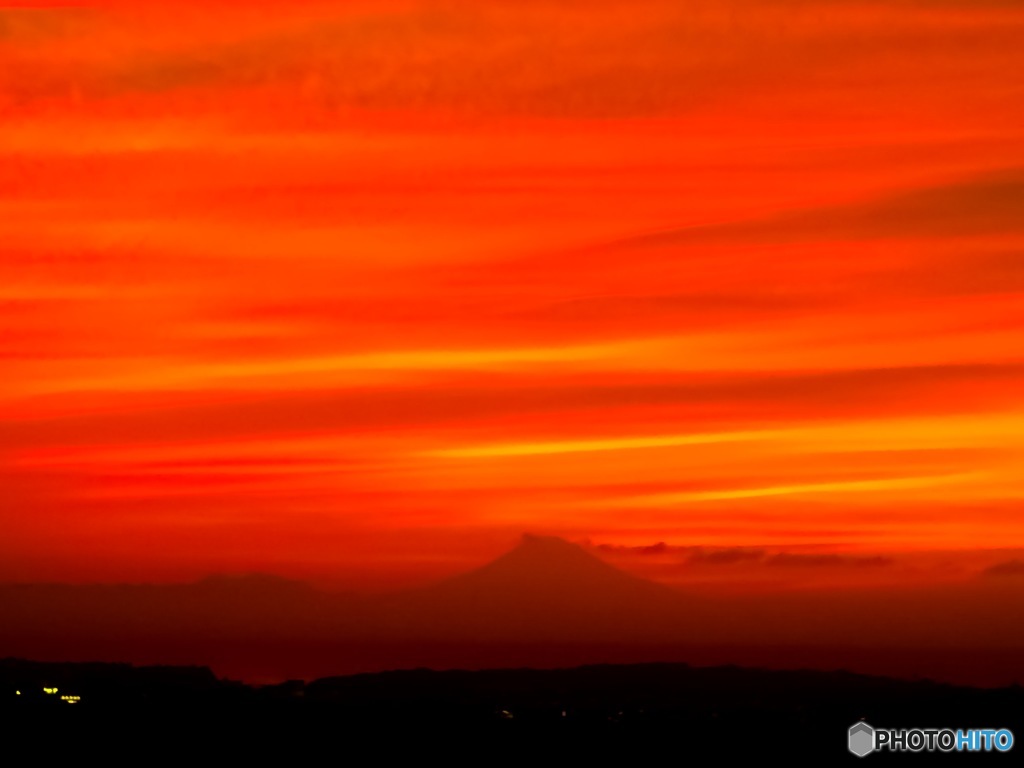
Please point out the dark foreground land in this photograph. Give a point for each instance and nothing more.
(700, 714)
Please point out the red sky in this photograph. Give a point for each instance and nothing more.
(358, 292)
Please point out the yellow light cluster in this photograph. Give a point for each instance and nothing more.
(71, 699)
(51, 691)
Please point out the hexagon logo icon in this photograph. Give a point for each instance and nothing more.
(862, 739)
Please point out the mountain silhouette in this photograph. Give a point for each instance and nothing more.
(550, 569)
(546, 602)
(547, 589)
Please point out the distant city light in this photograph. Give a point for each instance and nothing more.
(49, 690)
(71, 699)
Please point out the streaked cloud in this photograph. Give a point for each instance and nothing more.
(395, 277)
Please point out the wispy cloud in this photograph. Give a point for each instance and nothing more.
(1007, 568)
(727, 276)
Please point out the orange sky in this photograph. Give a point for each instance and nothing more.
(357, 292)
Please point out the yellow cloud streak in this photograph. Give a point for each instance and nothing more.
(889, 434)
(849, 486)
(203, 375)
(610, 444)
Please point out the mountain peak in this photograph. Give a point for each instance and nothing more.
(551, 544)
(548, 556)
(542, 566)
(544, 588)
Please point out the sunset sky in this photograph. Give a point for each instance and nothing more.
(730, 290)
